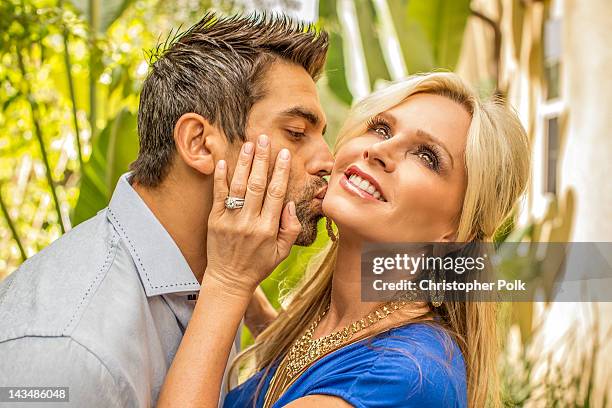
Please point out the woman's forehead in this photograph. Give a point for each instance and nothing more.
(437, 115)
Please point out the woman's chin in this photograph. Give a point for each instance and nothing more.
(332, 205)
(326, 206)
(345, 216)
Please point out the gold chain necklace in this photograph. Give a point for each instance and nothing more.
(305, 350)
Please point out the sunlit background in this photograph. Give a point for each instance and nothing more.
(70, 78)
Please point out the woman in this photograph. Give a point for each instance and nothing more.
(422, 160)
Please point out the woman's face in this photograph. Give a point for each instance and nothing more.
(410, 162)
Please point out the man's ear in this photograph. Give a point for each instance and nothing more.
(196, 142)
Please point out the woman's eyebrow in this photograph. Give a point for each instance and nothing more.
(420, 133)
(388, 117)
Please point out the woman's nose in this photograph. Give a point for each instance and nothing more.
(377, 156)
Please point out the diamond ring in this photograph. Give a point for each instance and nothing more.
(234, 202)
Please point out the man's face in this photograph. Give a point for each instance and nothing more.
(291, 115)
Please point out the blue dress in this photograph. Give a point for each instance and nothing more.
(416, 365)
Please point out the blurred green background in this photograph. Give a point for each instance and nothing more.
(69, 84)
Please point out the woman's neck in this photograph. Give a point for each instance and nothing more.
(346, 305)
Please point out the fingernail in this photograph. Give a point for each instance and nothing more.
(284, 154)
(263, 140)
(248, 147)
(292, 208)
(221, 164)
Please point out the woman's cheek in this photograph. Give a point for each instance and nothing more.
(418, 199)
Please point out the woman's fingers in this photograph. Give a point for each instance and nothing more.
(258, 179)
(290, 228)
(238, 185)
(220, 189)
(277, 189)
(245, 248)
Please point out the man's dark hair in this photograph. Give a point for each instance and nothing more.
(215, 69)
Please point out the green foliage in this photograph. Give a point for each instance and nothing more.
(375, 62)
(441, 23)
(109, 10)
(334, 68)
(54, 71)
(115, 148)
(429, 32)
(72, 71)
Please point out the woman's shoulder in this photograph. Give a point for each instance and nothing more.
(420, 338)
(403, 344)
(414, 365)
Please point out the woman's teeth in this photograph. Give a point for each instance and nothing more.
(365, 186)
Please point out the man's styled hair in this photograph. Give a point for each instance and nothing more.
(216, 69)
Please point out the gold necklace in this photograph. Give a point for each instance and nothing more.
(305, 350)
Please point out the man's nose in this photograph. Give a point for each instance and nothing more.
(321, 161)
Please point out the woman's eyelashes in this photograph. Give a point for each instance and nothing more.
(380, 126)
(428, 153)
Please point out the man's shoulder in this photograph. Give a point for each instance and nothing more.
(49, 292)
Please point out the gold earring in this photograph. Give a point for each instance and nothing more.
(330, 230)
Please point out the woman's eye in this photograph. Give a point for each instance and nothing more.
(427, 159)
(384, 132)
(380, 126)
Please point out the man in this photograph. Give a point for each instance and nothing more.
(102, 310)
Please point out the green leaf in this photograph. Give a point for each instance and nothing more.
(115, 148)
(375, 61)
(417, 51)
(110, 11)
(334, 67)
(10, 100)
(442, 22)
(59, 77)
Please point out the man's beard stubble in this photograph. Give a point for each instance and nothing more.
(305, 210)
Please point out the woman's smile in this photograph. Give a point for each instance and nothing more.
(361, 187)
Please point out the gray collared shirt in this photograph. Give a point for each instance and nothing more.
(102, 310)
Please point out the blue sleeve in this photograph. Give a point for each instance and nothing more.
(399, 378)
(244, 394)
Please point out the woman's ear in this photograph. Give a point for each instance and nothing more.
(197, 141)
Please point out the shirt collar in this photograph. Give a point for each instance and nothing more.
(160, 263)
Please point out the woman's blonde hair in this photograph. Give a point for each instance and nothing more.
(497, 167)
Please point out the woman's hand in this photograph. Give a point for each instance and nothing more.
(244, 245)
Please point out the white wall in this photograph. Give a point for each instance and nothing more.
(586, 160)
